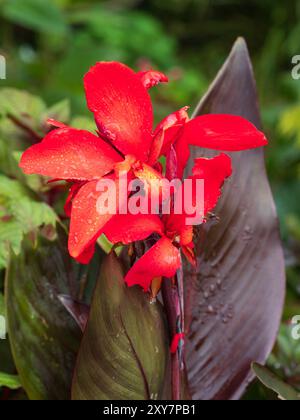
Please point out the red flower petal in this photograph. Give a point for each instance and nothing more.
(152, 78)
(151, 179)
(214, 173)
(172, 165)
(55, 123)
(223, 132)
(218, 132)
(171, 126)
(182, 151)
(179, 117)
(87, 223)
(86, 256)
(189, 253)
(122, 107)
(72, 193)
(162, 260)
(156, 147)
(70, 154)
(166, 134)
(186, 235)
(130, 228)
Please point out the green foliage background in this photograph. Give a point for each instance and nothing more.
(50, 44)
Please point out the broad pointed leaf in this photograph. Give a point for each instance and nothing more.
(124, 351)
(234, 298)
(44, 337)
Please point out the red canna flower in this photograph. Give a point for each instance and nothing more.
(163, 259)
(125, 140)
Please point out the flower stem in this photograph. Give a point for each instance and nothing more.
(173, 307)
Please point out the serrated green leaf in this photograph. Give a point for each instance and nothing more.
(23, 215)
(10, 381)
(32, 215)
(11, 189)
(11, 236)
(21, 203)
(22, 105)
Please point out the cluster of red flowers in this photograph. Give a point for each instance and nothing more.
(125, 141)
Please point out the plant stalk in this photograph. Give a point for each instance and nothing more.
(171, 298)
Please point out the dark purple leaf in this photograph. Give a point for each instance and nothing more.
(235, 297)
(78, 310)
(124, 351)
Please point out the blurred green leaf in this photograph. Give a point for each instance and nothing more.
(33, 214)
(11, 190)
(293, 224)
(289, 123)
(285, 358)
(83, 123)
(60, 112)
(141, 30)
(40, 15)
(68, 73)
(284, 391)
(21, 215)
(8, 163)
(9, 381)
(21, 117)
(21, 104)
(11, 236)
